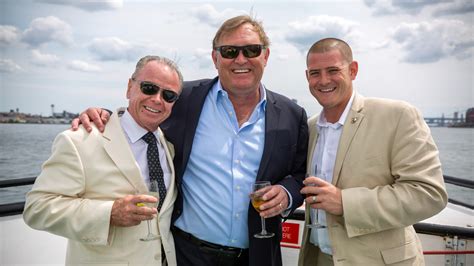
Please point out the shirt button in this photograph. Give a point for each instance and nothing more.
(237, 161)
(237, 188)
(157, 257)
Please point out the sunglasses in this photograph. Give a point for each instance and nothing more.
(149, 88)
(249, 51)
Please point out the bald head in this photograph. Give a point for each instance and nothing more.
(328, 44)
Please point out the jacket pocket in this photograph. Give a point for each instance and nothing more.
(398, 254)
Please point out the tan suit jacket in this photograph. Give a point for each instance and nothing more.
(388, 169)
(74, 194)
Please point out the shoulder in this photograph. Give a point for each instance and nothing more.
(190, 84)
(393, 109)
(283, 101)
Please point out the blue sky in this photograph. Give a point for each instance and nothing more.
(76, 54)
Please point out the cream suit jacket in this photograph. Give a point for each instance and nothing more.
(74, 194)
(388, 169)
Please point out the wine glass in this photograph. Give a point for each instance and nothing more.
(150, 236)
(257, 200)
(314, 213)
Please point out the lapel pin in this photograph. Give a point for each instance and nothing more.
(354, 119)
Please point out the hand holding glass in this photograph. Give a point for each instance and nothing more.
(314, 224)
(257, 200)
(150, 236)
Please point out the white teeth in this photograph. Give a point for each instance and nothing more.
(327, 90)
(152, 110)
(241, 70)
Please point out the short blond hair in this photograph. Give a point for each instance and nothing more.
(232, 24)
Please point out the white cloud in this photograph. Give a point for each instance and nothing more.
(458, 7)
(203, 58)
(416, 5)
(426, 42)
(43, 59)
(82, 66)
(8, 34)
(88, 5)
(47, 29)
(413, 7)
(209, 15)
(302, 34)
(7, 65)
(115, 49)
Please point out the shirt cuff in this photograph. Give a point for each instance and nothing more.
(286, 212)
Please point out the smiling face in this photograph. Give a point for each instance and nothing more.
(330, 78)
(149, 111)
(241, 75)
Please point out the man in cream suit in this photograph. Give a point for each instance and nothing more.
(89, 189)
(374, 167)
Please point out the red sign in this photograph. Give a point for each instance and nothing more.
(290, 233)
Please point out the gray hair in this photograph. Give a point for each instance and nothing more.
(162, 60)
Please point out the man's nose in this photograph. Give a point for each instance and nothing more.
(241, 58)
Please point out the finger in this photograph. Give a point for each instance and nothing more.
(145, 211)
(85, 120)
(104, 116)
(134, 199)
(75, 124)
(94, 115)
(310, 190)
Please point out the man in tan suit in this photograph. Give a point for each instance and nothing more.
(374, 167)
(89, 189)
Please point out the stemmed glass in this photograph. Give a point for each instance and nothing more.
(314, 213)
(150, 236)
(257, 200)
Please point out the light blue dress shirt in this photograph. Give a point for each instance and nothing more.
(322, 166)
(222, 166)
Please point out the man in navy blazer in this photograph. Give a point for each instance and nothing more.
(281, 163)
(228, 133)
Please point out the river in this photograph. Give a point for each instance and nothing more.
(24, 147)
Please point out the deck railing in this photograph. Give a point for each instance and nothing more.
(17, 208)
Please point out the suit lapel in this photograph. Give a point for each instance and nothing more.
(118, 149)
(313, 137)
(351, 125)
(272, 118)
(170, 195)
(193, 112)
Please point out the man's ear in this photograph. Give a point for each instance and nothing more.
(354, 69)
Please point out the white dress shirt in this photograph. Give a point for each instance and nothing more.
(134, 133)
(322, 166)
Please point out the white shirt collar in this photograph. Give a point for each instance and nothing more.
(132, 129)
(322, 122)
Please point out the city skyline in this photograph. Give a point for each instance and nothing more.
(77, 54)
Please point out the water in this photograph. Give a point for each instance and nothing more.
(24, 147)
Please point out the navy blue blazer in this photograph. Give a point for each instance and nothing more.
(283, 160)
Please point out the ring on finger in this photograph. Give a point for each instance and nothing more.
(313, 199)
(281, 205)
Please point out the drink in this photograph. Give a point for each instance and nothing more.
(256, 202)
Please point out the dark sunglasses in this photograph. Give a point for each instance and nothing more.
(249, 51)
(149, 88)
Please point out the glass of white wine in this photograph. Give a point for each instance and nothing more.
(314, 213)
(257, 200)
(150, 236)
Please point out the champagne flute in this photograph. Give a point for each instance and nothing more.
(257, 200)
(150, 236)
(314, 213)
